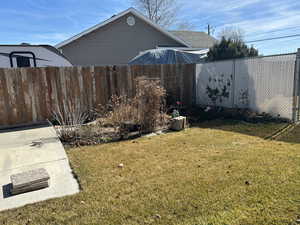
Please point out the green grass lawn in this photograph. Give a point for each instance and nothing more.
(215, 174)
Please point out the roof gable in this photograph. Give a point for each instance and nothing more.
(195, 39)
(112, 19)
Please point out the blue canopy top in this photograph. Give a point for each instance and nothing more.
(167, 56)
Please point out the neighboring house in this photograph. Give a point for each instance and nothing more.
(195, 39)
(123, 36)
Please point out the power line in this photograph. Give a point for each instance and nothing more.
(258, 35)
(274, 38)
(273, 31)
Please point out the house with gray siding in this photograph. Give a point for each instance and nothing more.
(119, 39)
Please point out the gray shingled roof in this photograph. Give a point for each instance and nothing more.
(195, 38)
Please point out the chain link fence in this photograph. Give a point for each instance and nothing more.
(262, 84)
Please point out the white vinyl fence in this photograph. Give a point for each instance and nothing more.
(262, 84)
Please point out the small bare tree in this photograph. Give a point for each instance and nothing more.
(233, 33)
(150, 102)
(162, 12)
(185, 25)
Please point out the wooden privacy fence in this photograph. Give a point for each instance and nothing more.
(32, 94)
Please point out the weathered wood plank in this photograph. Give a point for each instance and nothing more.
(20, 98)
(58, 86)
(42, 98)
(50, 102)
(101, 86)
(74, 85)
(46, 96)
(10, 84)
(86, 88)
(4, 100)
(27, 97)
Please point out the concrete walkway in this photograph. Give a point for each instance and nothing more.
(27, 149)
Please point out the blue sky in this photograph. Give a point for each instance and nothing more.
(52, 21)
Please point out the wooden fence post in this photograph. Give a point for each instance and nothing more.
(296, 97)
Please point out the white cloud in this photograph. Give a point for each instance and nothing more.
(282, 19)
(37, 38)
(53, 37)
(217, 6)
(256, 17)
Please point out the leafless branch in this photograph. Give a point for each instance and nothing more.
(233, 33)
(162, 12)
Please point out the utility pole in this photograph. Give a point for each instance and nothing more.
(208, 29)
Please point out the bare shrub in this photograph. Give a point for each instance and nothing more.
(121, 109)
(150, 97)
(146, 108)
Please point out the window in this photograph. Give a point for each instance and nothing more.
(23, 61)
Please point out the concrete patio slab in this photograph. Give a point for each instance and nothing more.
(28, 149)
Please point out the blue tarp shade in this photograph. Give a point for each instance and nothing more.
(166, 56)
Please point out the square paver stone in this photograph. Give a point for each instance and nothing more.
(29, 181)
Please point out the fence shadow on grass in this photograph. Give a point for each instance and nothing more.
(261, 130)
(291, 136)
(272, 131)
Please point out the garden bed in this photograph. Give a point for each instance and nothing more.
(93, 134)
(103, 130)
